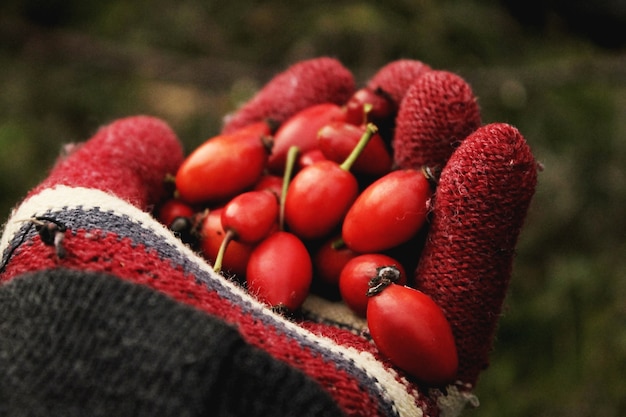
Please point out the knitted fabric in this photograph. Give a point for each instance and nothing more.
(104, 233)
(438, 111)
(396, 77)
(77, 343)
(479, 207)
(120, 158)
(314, 81)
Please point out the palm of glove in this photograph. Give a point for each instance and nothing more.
(95, 208)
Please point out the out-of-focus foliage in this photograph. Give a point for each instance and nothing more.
(67, 67)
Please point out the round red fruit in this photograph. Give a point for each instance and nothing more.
(356, 275)
(251, 216)
(269, 182)
(369, 105)
(280, 271)
(310, 157)
(318, 198)
(330, 259)
(336, 140)
(235, 258)
(173, 209)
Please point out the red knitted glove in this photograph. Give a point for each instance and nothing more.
(92, 214)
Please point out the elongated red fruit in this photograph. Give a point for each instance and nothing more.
(479, 207)
(395, 78)
(280, 271)
(388, 212)
(224, 165)
(304, 84)
(129, 158)
(410, 329)
(438, 111)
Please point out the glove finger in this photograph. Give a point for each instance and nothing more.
(480, 204)
(437, 112)
(395, 78)
(129, 158)
(304, 84)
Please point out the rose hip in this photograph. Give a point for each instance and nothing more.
(224, 165)
(356, 275)
(319, 196)
(336, 141)
(301, 130)
(280, 271)
(388, 212)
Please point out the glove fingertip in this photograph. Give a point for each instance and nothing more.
(396, 77)
(309, 82)
(129, 157)
(438, 111)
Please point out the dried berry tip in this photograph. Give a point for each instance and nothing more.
(385, 276)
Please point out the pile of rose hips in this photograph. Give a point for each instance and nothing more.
(315, 204)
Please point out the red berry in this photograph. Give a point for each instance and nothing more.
(336, 140)
(235, 259)
(330, 259)
(280, 271)
(172, 209)
(301, 130)
(251, 215)
(357, 274)
(368, 105)
(410, 329)
(388, 212)
(310, 157)
(272, 183)
(319, 196)
(224, 165)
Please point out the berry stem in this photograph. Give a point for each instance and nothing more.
(292, 154)
(385, 276)
(370, 129)
(217, 265)
(338, 243)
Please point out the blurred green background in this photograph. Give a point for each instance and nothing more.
(67, 67)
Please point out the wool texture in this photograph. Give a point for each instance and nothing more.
(129, 157)
(438, 111)
(77, 343)
(395, 78)
(305, 83)
(478, 211)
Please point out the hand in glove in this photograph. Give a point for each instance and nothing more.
(105, 312)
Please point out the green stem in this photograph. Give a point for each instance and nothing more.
(338, 243)
(292, 154)
(367, 108)
(370, 129)
(219, 259)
